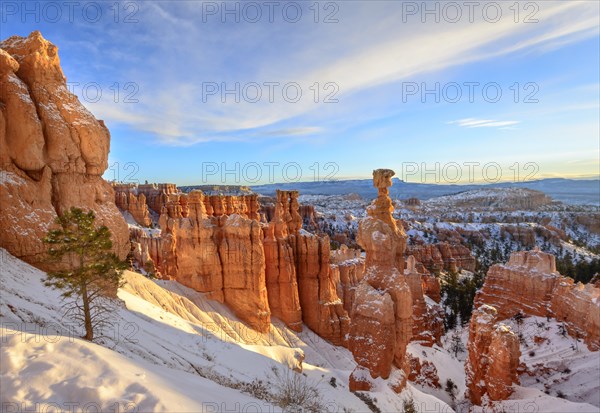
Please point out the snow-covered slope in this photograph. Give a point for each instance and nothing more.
(49, 372)
(168, 348)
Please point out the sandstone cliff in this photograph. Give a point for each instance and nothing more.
(221, 255)
(52, 151)
(493, 357)
(281, 276)
(529, 283)
(427, 320)
(443, 256)
(215, 244)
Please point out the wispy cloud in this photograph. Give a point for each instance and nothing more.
(484, 123)
(300, 131)
(307, 54)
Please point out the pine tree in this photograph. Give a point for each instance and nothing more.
(92, 270)
(451, 389)
(456, 344)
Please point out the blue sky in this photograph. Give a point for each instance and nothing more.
(165, 57)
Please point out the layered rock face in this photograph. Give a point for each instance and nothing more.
(578, 306)
(493, 357)
(523, 284)
(215, 244)
(428, 327)
(279, 245)
(134, 204)
(443, 256)
(52, 152)
(318, 280)
(381, 325)
(529, 283)
(222, 255)
(351, 268)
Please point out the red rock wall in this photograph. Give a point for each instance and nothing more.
(427, 322)
(322, 309)
(211, 244)
(529, 283)
(443, 256)
(134, 204)
(222, 256)
(578, 306)
(493, 357)
(53, 152)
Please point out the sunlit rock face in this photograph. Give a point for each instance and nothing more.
(209, 243)
(493, 357)
(381, 318)
(53, 152)
(216, 244)
(279, 246)
(529, 283)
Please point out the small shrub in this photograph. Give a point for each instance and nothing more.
(366, 398)
(293, 391)
(532, 353)
(333, 382)
(451, 389)
(561, 395)
(408, 406)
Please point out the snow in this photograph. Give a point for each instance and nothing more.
(564, 365)
(168, 348)
(63, 372)
(131, 223)
(10, 178)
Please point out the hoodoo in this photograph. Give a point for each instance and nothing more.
(53, 152)
(381, 325)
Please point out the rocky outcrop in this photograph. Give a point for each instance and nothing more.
(529, 283)
(222, 256)
(578, 307)
(281, 277)
(443, 256)
(372, 336)
(423, 373)
(322, 308)
(493, 357)
(53, 152)
(524, 284)
(427, 320)
(381, 324)
(351, 266)
(431, 284)
(136, 205)
(215, 244)
(302, 284)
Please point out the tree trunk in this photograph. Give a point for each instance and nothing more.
(89, 331)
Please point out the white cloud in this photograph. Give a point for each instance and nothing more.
(387, 54)
(484, 123)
